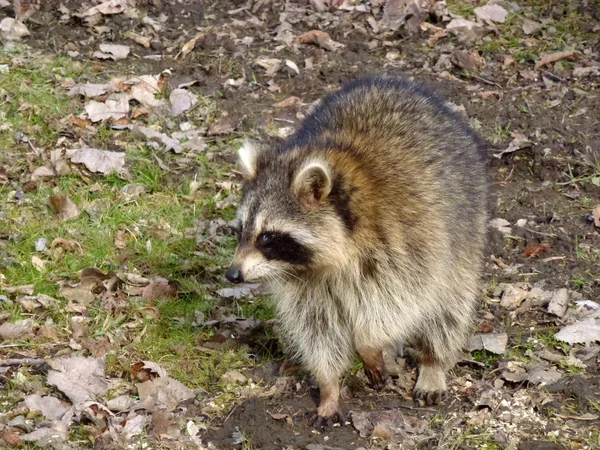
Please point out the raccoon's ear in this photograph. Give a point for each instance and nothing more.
(248, 154)
(312, 183)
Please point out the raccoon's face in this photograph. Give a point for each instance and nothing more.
(287, 225)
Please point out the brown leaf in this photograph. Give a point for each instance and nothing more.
(67, 244)
(140, 111)
(225, 125)
(98, 161)
(64, 207)
(120, 239)
(535, 249)
(470, 61)
(78, 122)
(11, 438)
(486, 327)
(160, 288)
(553, 57)
(319, 38)
(144, 41)
(189, 45)
(288, 102)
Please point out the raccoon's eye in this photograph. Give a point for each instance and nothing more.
(267, 237)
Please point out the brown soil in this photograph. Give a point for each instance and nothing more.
(524, 182)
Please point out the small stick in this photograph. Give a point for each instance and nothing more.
(22, 361)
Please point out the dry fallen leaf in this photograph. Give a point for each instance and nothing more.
(559, 303)
(530, 27)
(12, 330)
(12, 29)
(519, 142)
(50, 436)
(271, 65)
(535, 249)
(24, 9)
(67, 244)
(42, 173)
(160, 288)
(89, 89)
(500, 224)
(225, 125)
(112, 51)
(156, 136)
(64, 207)
(50, 407)
(513, 296)
(319, 38)
(144, 41)
(494, 13)
(189, 45)
(470, 61)
(163, 393)
(98, 161)
(244, 290)
(181, 101)
(111, 109)
(108, 7)
(147, 370)
(495, 343)
(288, 102)
(80, 379)
(581, 332)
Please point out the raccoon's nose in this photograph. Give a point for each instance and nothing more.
(234, 274)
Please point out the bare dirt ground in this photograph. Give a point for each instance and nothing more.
(525, 73)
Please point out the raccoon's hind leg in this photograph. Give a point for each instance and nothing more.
(374, 367)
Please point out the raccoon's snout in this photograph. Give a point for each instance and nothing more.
(234, 274)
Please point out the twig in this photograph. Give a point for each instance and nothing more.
(540, 233)
(231, 412)
(22, 361)
(491, 83)
(535, 330)
(471, 361)
(416, 408)
(553, 77)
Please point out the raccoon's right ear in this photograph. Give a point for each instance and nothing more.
(248, 154)
(312, 183)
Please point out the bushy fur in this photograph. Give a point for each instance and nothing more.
(368, 224)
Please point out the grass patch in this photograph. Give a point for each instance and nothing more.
(30, 102)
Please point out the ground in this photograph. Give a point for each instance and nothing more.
(113, 304)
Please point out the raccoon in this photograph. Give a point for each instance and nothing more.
(368, 225)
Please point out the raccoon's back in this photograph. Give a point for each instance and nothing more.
(423, 187)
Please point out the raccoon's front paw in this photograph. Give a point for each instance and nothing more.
(431, 385)
(429, 397)
(326, 423)
(377, 377)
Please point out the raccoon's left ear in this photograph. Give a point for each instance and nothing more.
(248, 154)
(312, 183)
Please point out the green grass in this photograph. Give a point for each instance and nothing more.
(35, 105)
(152, 228)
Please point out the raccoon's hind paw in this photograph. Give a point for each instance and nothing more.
(326, 423)
(429, 397)
(377, 377)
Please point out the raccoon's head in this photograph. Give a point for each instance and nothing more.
(289, 216)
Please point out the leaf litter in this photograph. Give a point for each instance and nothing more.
(558, 308)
